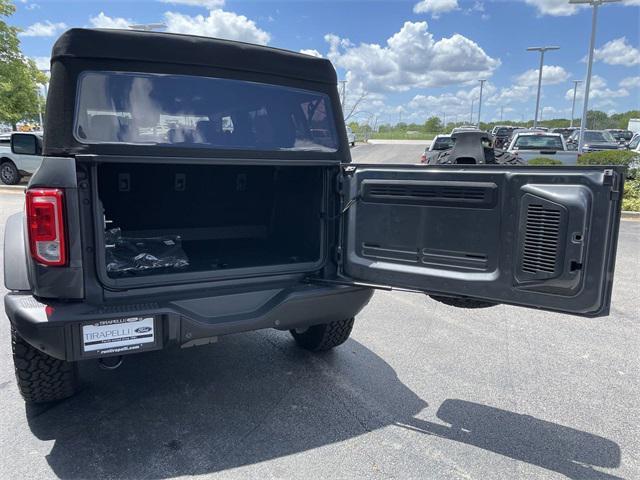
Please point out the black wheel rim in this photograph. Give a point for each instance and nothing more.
(6, 173)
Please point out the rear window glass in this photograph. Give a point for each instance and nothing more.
(181, 110)
(443, 143)
(602, 137)
(539, 142)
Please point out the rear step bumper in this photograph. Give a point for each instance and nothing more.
(56, 327)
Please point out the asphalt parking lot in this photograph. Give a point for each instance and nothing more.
(388, 152)
(420, 391)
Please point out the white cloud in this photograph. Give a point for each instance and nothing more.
(525, 85)
(551, 74)
(598, 90)
(218, 23)
(630, 82)
(514, 93)
(562, 8)
(618, 52)
(411, 58)
(104, 21)
(208, 4)
(458, 103)
(435, 7)
(556, 8)
(311, 51)
(43, 63)
(43, 29)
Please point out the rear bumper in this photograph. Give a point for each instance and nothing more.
(56, 327)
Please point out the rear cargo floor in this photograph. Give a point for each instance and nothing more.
(223, 254)
(210, 217)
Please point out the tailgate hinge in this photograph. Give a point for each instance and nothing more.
(609, 179)
(349, 169)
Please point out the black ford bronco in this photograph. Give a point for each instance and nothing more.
(194, 187)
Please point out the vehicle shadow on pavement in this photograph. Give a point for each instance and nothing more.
(256, 397)
(565, 450)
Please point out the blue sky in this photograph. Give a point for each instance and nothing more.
(403, 59)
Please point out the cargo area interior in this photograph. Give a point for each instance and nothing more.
(164, 219)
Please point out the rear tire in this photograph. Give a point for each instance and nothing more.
(9, 174)
(41, 378)
(503, 157)
(320, 338)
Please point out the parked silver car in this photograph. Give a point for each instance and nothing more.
(20, 155)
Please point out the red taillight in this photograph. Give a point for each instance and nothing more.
(45, 226)
(423, 158)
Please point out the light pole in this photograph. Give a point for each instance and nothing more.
(343, 85)
(471, 114)
(573, 105)
(501, 111)
(45, 89)
(480, 101)
(594, 19)
(541, 50)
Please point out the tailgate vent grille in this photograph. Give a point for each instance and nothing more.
(542, 239)
(423, 191)
(446, 194)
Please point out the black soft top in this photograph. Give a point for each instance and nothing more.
(139, 46)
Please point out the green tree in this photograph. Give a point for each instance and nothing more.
(597, 120)
(9, 43)
(433, 124)
(621, 120)
(19, 76)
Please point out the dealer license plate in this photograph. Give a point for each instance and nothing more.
(119, 335)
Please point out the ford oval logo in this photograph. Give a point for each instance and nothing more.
(142, 329)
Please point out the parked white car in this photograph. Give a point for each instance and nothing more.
(465, 128)
(351, 137)
(20, 155)
(535, 144)
(634, 143)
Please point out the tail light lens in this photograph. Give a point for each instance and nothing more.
(45, 226)
(423, 158)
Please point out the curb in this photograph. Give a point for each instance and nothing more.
(19, 189)
(628, 215)
(380, 141)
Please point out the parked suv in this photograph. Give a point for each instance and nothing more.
(20, 156)
(594, 141)
(501, 135)
(194, 187)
